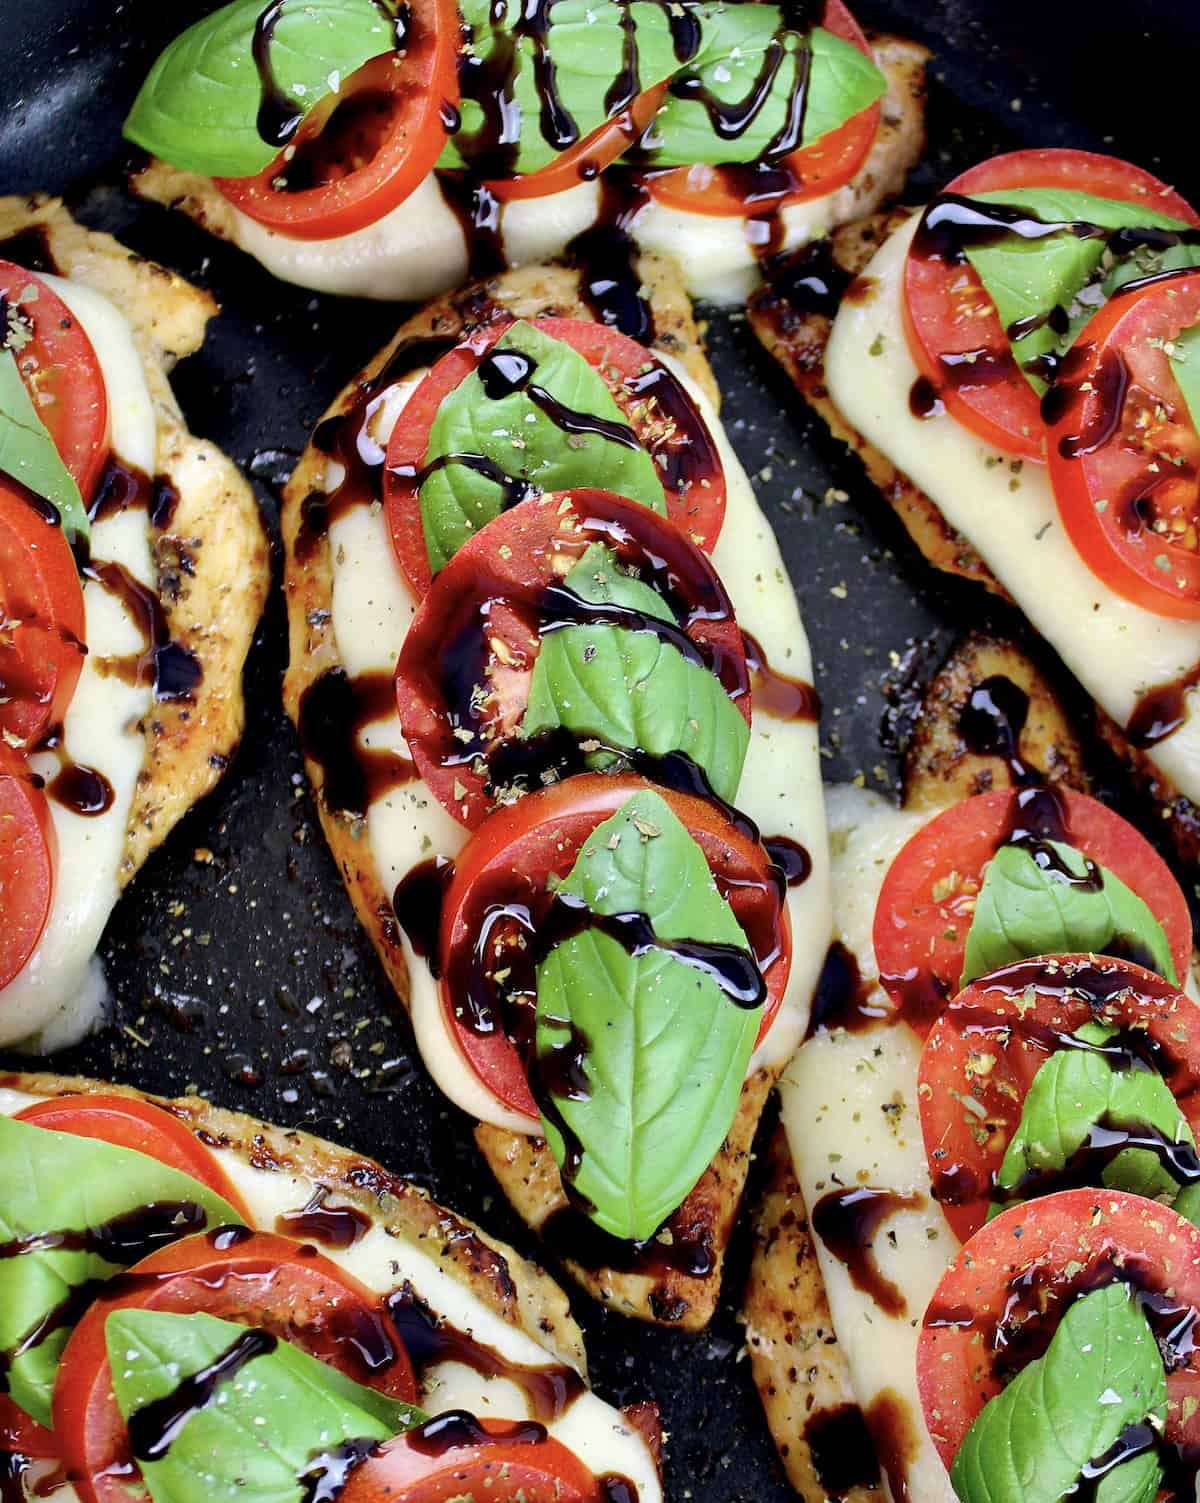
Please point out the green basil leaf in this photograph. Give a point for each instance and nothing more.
(56, 1182)
(1078, 1089)
(628, 689)
(1023, 910)
(28, 453)
(666, 1049)
(522, 441)
(1185, 364)
(198, 108)
(585, 43)
(842, 82)
(1029, 279)
(1102, 1372)
(268, 1421)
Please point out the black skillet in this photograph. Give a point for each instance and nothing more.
(235, 958)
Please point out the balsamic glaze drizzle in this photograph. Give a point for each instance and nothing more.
(279, 116)
(334, 710)
(324, 1478)
(173, 669)
(843, 1453)
(1106, 1141)
(606, 255)
(847, 1222)
(456, 1429)
(335, 1226)
(157, 1425)
(952, 224)
(346, 437)
(809, 280)
(549, 1390)
(1162, 710)
(123, 1240)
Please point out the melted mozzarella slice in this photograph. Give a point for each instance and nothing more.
(1007, 511)
(419, 248)
(780, 791)
(61, 993)
(594, 1430)
(850, 1112)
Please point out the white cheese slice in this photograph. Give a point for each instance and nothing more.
(780, 791)
(133, 426)
(593, 1429)
(717, 252)
(1115, 649)
(419, 249)
(60, 994)
(849, 1105)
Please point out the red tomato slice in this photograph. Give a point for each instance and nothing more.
(455, 1456)
(504, 869)
(999, 1303)
(477, 628)
(755, 188)
(254, 1278)
(1124, 454)
(20, 1433)
(140, 1125)
(42, 622)
(928, 895)
(988, 1045)
(587, 158)
(948, 313)
(28, 852)
(654, 403)
(63, 375)
(363, 150)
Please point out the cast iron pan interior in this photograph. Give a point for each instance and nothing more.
(235, 958)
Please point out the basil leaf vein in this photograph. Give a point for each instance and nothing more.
(1029, 279)
(1101, 1373)
(198, 107)
(522, 441)
(29, 455)
(667, 1051)
(1076, 1090)
(628, 689)
(1024, 910)
(59, 1182)
(266, 1423)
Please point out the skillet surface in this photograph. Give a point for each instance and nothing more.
(236, 963)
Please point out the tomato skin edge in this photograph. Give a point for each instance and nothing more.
(1029, 1004)
(698, 189)
(1049, 1233)
(1088, 498)
(910, 926)
(577, 805)
(86, 1417)
(129, 1122)
(29, 851)
(332, 210)
(1019, 431)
